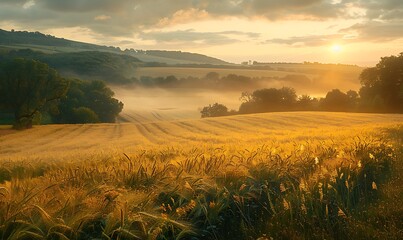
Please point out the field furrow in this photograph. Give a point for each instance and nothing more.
(155, 130)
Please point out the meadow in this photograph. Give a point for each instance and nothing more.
(163, 175)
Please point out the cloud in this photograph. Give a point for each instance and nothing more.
(191, 36)
(368, 31)
(86, 5)
(376, 31)
(183, 16)
(126, 18)
(385, 9)
(308, 41)
(102, 18)
(28, 4)
(132, 15)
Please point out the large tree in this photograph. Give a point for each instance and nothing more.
(382, 85)
(335, 100)
(87, 102)
(26, 86)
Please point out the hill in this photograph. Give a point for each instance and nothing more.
(90, 65)
(51, 44)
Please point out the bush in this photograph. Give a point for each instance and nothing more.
(84, 115)
(215, 110)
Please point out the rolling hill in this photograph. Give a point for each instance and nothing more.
(50, 44)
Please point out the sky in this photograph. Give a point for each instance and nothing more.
(328, 31)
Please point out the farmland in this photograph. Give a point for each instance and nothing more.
(145, 130)
(163, 176)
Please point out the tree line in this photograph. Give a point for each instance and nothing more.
(381, 91)
(31, 90)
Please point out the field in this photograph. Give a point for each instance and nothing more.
(145, 130)
(293, 175)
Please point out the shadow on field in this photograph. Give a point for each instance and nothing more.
(5, 130)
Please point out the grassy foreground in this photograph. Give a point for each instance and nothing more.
(312, 191)
(319, 188)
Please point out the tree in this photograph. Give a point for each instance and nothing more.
(382, 85)
(353, 99)
(84, 115)
(215, 110)
(269, 100)
(306, 103)
(87, 102)
(26, 86)
(335, 100)
(212, 76)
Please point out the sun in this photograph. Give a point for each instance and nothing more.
(336, 48)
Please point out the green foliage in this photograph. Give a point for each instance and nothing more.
(87, 102)
(109, 67)
(37, 40)
(382, 85)
(26, 86)
(84, 115)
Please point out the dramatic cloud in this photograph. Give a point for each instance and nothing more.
(218, 25)
(384, 9)
(132, 15)
(377, 30)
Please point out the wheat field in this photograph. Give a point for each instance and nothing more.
(146, 130)
(159, 175)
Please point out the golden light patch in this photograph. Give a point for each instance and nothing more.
(336, 48)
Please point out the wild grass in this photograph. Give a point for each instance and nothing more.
(302, 190)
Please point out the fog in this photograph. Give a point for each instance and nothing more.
(173, 103)
(183, 92)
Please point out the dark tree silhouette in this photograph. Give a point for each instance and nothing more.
(306, 103)
(269, 100)
(26, 86)
(382, 85)
(215, 110)
(87, 102)
(335, 100)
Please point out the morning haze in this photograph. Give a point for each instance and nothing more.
(201, 119)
